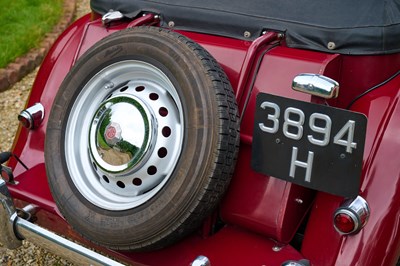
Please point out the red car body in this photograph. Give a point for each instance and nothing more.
(261, 214)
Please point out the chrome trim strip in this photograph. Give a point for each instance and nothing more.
(73, 252)
(13, 229)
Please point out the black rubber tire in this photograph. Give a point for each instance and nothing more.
(208, 155)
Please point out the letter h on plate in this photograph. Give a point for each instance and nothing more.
(296, 163)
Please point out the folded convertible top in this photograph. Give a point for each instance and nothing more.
(346, 27)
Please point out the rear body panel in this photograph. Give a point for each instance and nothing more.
(262, 213)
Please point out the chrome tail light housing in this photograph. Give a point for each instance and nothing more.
(351, 216)
(32, 117)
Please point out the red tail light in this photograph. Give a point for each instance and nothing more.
(352, 216)
(345, 223)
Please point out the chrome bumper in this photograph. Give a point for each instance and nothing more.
(13, 229)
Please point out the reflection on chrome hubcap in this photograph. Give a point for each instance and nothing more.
(121, 133)
(122, 142)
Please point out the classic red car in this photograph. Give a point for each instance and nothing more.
(213, 133)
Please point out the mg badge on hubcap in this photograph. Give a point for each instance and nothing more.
(113, 133)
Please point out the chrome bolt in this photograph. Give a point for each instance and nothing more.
(299, 201)
(171, 24)
(277, 248)
(109, 85)
(247, 34)
(331, 45)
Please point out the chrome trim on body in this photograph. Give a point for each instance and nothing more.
(13, 229)
(111, 16)
(201, 261)
(7, 218)
(317, 85)
(296, 263)
(32, 117)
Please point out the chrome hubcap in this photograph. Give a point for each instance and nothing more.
(120, 134)
(124, 135)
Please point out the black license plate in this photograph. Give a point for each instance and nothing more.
(312, 145)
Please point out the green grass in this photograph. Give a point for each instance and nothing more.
(23, 24)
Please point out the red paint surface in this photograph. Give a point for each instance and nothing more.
(257, 208)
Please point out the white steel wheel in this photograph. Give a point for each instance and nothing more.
(124, 132)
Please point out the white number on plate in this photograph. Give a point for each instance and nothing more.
(293, 128)
(294, 119)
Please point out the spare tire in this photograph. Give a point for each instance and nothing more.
(141, 140)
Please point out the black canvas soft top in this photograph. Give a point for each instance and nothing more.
(346, 27)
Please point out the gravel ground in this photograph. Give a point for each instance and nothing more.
(12, 102)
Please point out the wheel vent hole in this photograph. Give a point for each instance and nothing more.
(162, 152)
(137, 181)
(153, 96)
(139, 88)
(123, 89)
(152, 170)
(166, 131)
(163, 111)
(121, 184)
(106, 179)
